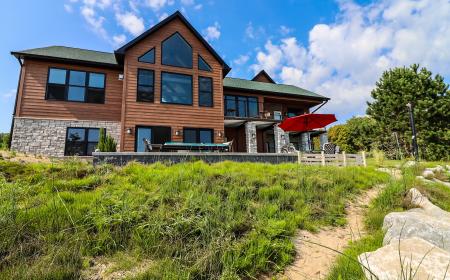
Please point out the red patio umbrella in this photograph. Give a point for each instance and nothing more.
(307, 122)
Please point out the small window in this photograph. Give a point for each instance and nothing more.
(198, 135)
(176, 51)
(81, 141)
(241, 106)
(203, 65)
(205, 96)
(148, 57)
(72, 85)
(176, 88)
(145, 87)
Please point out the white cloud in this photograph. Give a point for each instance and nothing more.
(187, 2)
(284, 30)
(94, 21)
(68, 8)
(252, 32)
(119, 39)
(163, 16)
(9, 94)
(242, 59)
(198, 7)
(212, 32)
(344, 59)
(131, 23)
(158, 4)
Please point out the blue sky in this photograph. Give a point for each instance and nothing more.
(335, 48)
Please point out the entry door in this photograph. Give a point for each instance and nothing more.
(156, 135)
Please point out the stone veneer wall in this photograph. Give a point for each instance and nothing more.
(250, 141)
(48, 137)
(281, 138)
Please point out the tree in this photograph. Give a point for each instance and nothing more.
(431, 100)
(338, 135)
(357, 134)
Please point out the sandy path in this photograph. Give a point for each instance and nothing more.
(314, 261)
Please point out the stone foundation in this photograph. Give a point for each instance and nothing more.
(250, 137)
(281, 138)
(48, 137)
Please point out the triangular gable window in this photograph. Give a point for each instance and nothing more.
(202, 65)
(148, 57)
(176, 51)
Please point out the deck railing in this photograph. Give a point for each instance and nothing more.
(122, 158)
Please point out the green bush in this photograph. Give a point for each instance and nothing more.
(4, 141)
(106, 143)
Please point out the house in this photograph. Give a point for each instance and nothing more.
(168, 84)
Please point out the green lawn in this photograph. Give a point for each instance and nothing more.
(190, 221)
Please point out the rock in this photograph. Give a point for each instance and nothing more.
(413, 255)
(428, 173)
(410, 163)
(438, 168)
(428, 222)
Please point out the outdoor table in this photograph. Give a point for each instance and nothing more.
(181, 146)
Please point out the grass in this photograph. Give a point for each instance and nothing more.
(390, 200)
(192, 220)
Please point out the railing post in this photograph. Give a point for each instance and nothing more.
(323, 158)
(299, 157)
(364, 158)
(344, 158)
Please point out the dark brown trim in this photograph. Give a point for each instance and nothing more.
(120, 53)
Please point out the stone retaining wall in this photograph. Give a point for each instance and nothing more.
(48, 137)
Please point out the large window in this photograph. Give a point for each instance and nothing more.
(78, 86)
(176, 52)
(155, 134)
(205, 92)
(81, 141)
(148, 57)
(176, 88)
(203, 65)
(145, 85)
(241, 106)
(198, 135)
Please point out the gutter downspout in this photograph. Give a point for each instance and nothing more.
(15, 104)
(321, 105)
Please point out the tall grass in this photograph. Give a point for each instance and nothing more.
(390, 200)
(192, 220)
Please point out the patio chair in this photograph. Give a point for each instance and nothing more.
(288, 148)
(230, 145)
(329, 148)
(149, 147)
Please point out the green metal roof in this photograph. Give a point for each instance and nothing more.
(66, 53)
(274, 89)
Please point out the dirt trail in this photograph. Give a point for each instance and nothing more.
(314, 261)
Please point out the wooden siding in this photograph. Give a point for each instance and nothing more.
(32, 102)
(176, 116)
(262, 78)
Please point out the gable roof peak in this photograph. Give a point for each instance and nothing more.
(120, 53)
(263, 74)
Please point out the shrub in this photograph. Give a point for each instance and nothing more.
(106, 143)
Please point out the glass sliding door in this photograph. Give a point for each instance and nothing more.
(142, 133)
(154, 134)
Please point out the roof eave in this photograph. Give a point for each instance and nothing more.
(21, 55)
(271, 93)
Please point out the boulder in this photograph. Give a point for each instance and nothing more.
(428, 222)
(428, 173)
(412, 256)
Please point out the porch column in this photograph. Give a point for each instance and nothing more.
(305, 141)
(281, 138)
(250, 137)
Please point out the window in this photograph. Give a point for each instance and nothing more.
(145, 85)
(148, 57)
(277, 115)
(241, 106)
(198, 135)
(176, 88)
(203, 65)
(294, 112)
(81, 141)
(78, 86)
(176, 52)
(205, 93)
(156, 135)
